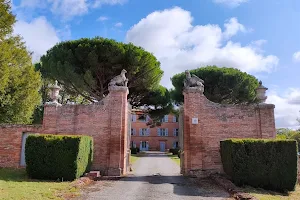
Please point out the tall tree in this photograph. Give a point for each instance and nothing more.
(86, 66)
(19, 81)
(221, 85)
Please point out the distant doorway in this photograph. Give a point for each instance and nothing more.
(162, 146)
(144, 146)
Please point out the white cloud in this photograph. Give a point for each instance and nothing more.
(171, 37)
(230, 3)
(296, 56)
(68, 8)
(232, 27)
(98, 3)
(102, 18)
(119, 24)
(287, 107)
(38, 34)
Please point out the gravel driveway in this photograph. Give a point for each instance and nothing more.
(155, 176)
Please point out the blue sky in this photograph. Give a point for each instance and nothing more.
(261, 37)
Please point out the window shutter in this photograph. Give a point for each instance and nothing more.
(134, 131)
(148, 131)
(174, 132)
(141, 132)
(158, 131)
(166, 132)
(174, 118)
(166, 118)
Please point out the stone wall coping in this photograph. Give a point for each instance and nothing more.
(21, 125)
(118, 88)
(218, 105)
(193, 90)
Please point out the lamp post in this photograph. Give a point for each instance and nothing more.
(261, 93)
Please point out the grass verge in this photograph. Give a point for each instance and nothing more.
(175, 158)
(269, 195)
(14, 184)
(134, 158)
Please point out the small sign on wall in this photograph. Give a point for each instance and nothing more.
(194, 120)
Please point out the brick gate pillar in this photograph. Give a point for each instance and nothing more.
(117, 149)
(192, 140)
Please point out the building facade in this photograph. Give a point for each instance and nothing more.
(159, 138)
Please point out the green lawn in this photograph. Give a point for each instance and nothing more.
(175, 158)
(269, 195)
(134, 158)
(15, 185)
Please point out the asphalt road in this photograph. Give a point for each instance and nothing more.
(155, 176)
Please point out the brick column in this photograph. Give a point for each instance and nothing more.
(118, 131)
(50, 118)
(266, 120)
(193, 155)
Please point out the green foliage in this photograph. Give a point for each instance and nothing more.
(286, 133)
(85, 67)
(19, 82)
(58, 157)
(269, 164)
(174, 151)
(135, 150)
(222, 85)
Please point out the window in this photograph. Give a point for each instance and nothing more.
(144, 144)
(176, 132)
(133, 144)
(132, 131)
(162, 132)
(133, 118)
(165, 119)
(176, 144)
(175, 119)
(144, 131)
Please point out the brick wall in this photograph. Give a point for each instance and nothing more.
(215, 123)
(105, 121)
(11, 143)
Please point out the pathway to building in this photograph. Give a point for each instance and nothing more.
(155, 176)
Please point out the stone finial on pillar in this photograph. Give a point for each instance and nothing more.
(261, 93)
(54, 94)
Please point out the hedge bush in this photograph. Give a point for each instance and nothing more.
(60, 157)
(135, 150)
(174, 151)
(269, 164)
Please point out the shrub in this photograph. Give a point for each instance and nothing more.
(269, 164)
(135, 150)
(174, 151)
(58, 157)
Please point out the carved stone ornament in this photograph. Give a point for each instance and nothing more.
(119, 80)
(54, 94)
(193, 82)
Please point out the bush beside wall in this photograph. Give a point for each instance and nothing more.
(58, 157)
(269, 164)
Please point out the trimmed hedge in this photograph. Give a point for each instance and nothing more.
(60, 157)
(174, 151)
(135, 150)
(269, 164)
